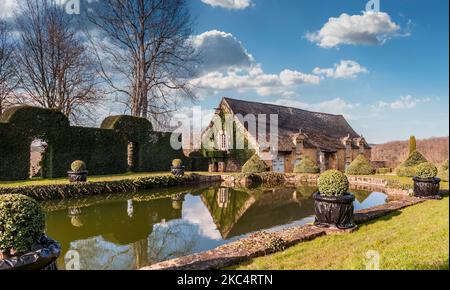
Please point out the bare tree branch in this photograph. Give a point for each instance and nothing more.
(145, 52)
(55, 68)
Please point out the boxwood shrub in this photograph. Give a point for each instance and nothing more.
(409, 167)
(254, 165)
(78, 166)
(443, 172)
(414, 159)
(307, 166)
(333, 183)
(22, 223)
(426, 170)
(360, 166)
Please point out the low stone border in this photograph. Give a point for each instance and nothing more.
(262, 244)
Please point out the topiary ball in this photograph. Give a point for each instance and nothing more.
(333, 183)
(254, 165)
(22, 223)
(78, 166)
(177, 163)
(307, 166)
(426, 171)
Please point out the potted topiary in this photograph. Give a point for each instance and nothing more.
(425, 182)
(78, 172)
(177, 167)
(333, 204)
(23, 244)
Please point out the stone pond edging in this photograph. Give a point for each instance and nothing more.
(356, 182)
(262, 244)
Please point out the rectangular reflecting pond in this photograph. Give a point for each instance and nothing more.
(131, 231)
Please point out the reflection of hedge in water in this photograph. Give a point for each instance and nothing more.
(145, 196)
(103, 149)
(111, 220)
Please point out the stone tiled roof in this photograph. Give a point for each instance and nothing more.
(323, 131)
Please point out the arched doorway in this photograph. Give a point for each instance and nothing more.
(133, 156)
(38, 149)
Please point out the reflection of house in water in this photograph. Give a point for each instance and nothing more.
(237, 212)
(121, 223)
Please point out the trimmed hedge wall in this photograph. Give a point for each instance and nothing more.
(72, 190)
(104, 150)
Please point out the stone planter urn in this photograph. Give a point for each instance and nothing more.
(426, 184)
(427, 187)
(333, 204)
(177, 168)
(42, 257)
(78, 172)
(334, 211)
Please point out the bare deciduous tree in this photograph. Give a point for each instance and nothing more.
(56, 69)
(145, 52)
(8, 79)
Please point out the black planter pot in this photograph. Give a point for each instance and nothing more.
(178, 171)
(77, 176)
(429, 187)
(43, 257)
(334, 211)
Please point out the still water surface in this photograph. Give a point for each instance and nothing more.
(131, 231)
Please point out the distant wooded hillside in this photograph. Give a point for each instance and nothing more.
(394, 153)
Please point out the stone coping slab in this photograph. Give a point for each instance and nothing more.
(262, 244)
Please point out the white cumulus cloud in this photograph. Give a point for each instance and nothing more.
(229, 4)
(370, 28)
(220, 50)
(405, 102)
(342, 70)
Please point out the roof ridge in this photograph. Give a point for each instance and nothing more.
(281, 106)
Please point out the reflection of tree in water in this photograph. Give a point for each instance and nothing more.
(170, 241)
(98, 254)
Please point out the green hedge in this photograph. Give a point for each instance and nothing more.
(384, 171)
(104, 150)
(443, 171)
(63, 191)
(360, 166)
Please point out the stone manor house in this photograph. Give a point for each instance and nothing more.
(327, 139)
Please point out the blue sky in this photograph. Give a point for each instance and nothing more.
(399, 88)
(387, 72)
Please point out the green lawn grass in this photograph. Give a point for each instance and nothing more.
(415, 238)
